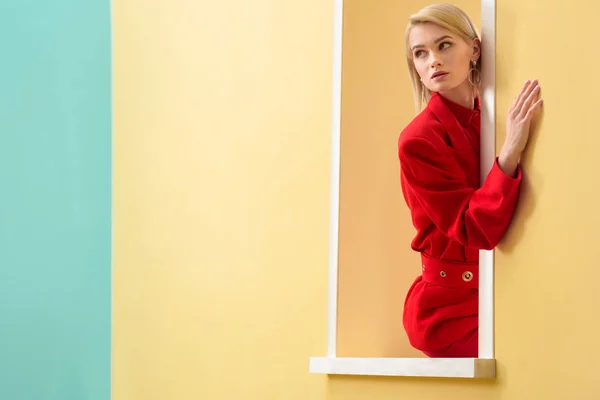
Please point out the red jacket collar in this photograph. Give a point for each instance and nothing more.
(463, 115)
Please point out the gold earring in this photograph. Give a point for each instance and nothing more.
(474, 73)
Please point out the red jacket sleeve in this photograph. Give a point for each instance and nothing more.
(476, 218)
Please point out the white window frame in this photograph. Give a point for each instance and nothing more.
(485, 365)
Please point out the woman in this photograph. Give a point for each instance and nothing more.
(454, 215)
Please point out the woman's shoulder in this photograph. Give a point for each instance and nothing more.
(424, 128)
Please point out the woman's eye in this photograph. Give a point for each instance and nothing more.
(419, 53)
(445, 45)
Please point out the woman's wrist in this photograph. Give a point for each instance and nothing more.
(508, 161)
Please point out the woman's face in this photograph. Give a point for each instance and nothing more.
(442, 59)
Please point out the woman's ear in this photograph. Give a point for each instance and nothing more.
(476, 49)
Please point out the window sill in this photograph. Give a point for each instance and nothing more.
(474, 368)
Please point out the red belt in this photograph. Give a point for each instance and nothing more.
(450, 273)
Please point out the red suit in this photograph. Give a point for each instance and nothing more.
(454, 217)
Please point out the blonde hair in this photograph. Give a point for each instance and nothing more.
(449, 17)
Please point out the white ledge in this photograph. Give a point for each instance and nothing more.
(476, 368)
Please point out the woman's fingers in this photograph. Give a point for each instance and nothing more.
(534, 109)
(525, 95)
(529, 100)
(524, 88)
(518, 100)
(524, 99)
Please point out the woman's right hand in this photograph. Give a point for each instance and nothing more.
(524, 110)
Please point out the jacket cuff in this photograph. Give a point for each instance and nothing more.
(499, 178)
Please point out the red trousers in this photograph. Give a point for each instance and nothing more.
(441, 310)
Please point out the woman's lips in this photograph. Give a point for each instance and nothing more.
(439, 76)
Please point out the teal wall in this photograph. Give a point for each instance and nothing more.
(55, 200)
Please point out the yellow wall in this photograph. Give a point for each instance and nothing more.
(548, 280)
(376, 264)
(221, 191)
(222, 120)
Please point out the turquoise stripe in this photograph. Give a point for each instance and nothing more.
(55, 200)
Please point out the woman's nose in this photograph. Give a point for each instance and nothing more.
(435, 61)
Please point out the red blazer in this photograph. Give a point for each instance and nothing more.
(454, 217)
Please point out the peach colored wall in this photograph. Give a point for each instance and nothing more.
(376, 263)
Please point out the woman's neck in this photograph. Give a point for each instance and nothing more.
(463, 95)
